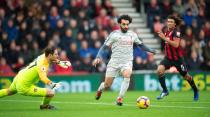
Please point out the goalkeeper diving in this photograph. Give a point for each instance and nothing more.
(24, 82)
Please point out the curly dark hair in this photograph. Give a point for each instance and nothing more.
(176, 19)
(125, 17)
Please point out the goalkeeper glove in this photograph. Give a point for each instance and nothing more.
(53, 85)
(64, 64)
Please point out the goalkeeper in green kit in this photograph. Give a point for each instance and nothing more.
(24, 82)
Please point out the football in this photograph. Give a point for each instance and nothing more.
(143, 102)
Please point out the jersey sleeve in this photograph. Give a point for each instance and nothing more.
(42, 71)
(110, 39)
(177, 35)
(137, 39)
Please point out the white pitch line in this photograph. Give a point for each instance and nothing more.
(107, 104)
(193, 102)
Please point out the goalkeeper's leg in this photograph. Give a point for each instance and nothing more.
(47, 95)
(47, 99)
(9, 91)
(6, 92)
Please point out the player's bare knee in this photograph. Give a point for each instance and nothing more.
(127, 74)
(160, 70)
(107, 85)
(186, 76)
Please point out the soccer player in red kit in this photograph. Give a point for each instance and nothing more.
(173, 56)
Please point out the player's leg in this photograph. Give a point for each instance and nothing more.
(47, 95)
(161, 76)
(181, 67)
(9, 91)
(6, 92)
(104, 85)
(110, 74)
(124, 86)
(46, 100)
(190, 80)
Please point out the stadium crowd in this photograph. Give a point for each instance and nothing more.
(79, 28)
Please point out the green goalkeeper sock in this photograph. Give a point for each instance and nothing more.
(3, 93)
(46, 100)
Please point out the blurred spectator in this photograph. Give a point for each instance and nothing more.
(201, 18)
(26, 53)
(93, 38)
(206, 52)
(139, 64)
(191, 6)
(73, 8)
(60, 28)
(166, 8)
(63, 57)
(4, 67)
(157, 25)
(53, 17)
(86, 64)
(60, 6)
(184, 48)
(4, 41)
(207, 29)
(42, 39)
(152, 10)
(188, 37)
(113, 25)
(11, 30)
(197, 48)
(12, 53)
(201, 38)
(85, 51)
(66, 39)
(108, 6)
(188, 17)
(74, 28)
(115, 14)
(85, 28)
(97, 8)
(21, 8)
(35, 51)
(193, 62)
(151, 63)
(195, 28)
(86, 7)
(74, 56)
(178, 7)
(138, 52)
(18, 65)
(24, 30)
(1, 50)
(103, 18)
(66, 17)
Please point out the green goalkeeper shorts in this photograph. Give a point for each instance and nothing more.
(27, 90)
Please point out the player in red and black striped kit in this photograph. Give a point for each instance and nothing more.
(173, 56)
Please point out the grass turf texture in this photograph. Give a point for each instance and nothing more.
(177, 104)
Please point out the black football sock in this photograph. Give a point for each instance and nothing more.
(192, 84)
(163, 83)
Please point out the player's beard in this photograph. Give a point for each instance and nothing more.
(124, 30)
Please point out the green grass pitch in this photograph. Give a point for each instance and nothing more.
(177, 104)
